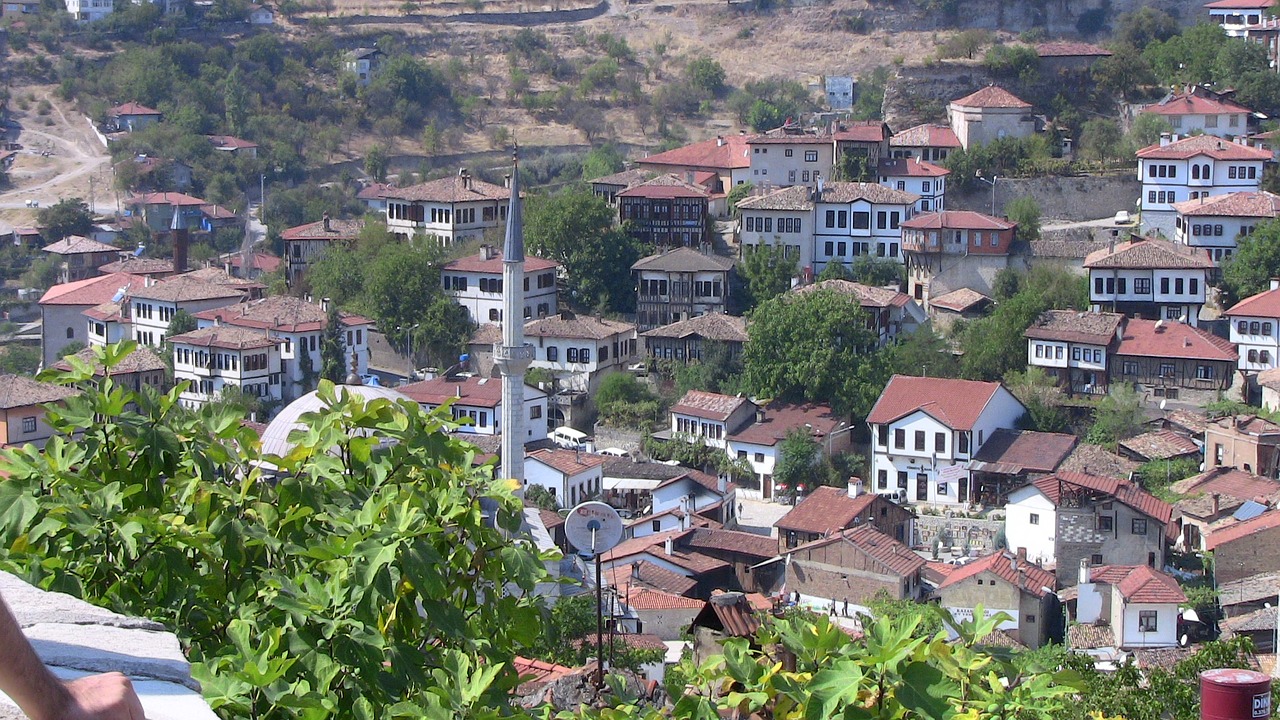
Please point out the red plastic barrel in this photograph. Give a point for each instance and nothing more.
(1227, 694)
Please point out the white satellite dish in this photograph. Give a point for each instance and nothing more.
(593, 528)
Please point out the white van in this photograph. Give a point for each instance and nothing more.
(567, 437)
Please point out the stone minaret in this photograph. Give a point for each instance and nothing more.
(513, 355)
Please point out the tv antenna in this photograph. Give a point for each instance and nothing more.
(595, 528)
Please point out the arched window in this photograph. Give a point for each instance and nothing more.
(71, 333)
(1195, 172)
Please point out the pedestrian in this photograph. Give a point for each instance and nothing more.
(846, 607)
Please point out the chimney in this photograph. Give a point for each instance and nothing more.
(635, 569)
(181, 240)
(668, 546)
(1022, 555)
(486, 252)
(1275, 283)
(719, 141)
(1165, 139)
(328, 227)
(722, 485)
(324, 304)
(759, 414)
(1084, 572)
(855, 486)
(1215, 499)
(506, 181)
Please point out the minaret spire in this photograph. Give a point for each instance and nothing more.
(512, 355)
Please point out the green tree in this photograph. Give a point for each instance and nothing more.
(1124, 72)
(922, 353)
(1157, 475)
(767, 271)
(1188, 58)
(1118, 415)
(1012, 61)
(19, 360)
(966, 43)
(1102, 140)
(705, 74)
(798, 456)
(601, 161)
(993, 346)
(43, 273)
(1256, 260)
(69, 216)
(375, 163)
(814, 346)
(1026, 212)
(575, 228)
(540, 497)
(1140, 28)
(718, 370)
(1040, 394)
(739, 192)
(852, 167)
(333, 348)
(1147, 129)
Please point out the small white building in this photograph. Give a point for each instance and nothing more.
(1138, 602)
(363, 63)
(215, 358)
(1149, 278)
(448, 210)
(790, 155)
(1176, 170)
(570, 476)
(1217, 223)
(990, 114)
(107, 324)
(924, 179)
(708, 417)
(152, 306)
(924, 432)
(579, 349)
(475, 282)
(1198, 111)
(855, 218)
(1255, 329)
(926, 143)
(299, 326)
(477, 402)
(1235, 16)
(779, 218)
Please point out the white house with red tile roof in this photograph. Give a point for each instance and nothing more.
(131, 116)
(152, 304)
(1255, 329)
(374, 196)
(478, 402)
(709, 417)
(728, 156)
(1218, 222)
(1151, 278)
(215, 358)
(1068, 517)
(925, 179)
(929, 142)
(1236, 15)
(1140, 604)
(1198, 111)
(304, 244)
(448, 210)
(856, 218)
(571, 476)
(924, 432)
(475, 282)
(1004, 582)
(791, 155)
(298, 325)
(1172, 360)
(990, 114)
(1175, 170)
(62, 308)
(1074, 347)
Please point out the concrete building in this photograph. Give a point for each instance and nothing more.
(152, 306)
(1150, 278)
(924, 431)
(1217, 223)
(570, 476)
(926, 143)
(130, 116)
(79, 257)
(580, 350)
(852, 567)
(1236, 15)
(680, 284)
(1246, 548)
(1139, 603)
(1005, 582)
(1246, 442)
(780, 218)
(791, 155)
(948, 250)
(1175, 170)
(305, 244)
(857, 218)
(363, 63)
(1255, 329)
(449, 210)
(475, 282)
(215, 358)
(727, 156)
(62, 307)
(990, 114)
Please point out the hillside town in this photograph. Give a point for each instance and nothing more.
(1001, 369)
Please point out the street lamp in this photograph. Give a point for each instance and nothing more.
(408, 347)
(992, 182)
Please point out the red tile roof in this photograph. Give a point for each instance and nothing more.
(227, 337)
(867, 295)
(91, 291)
(957, 220)
(663, 187)
(1174, 340)
(724, 153)
(695, 563)
(474, 391)
(1214, 147)
(1066, 48)
(568, 462)
(1075, 326)
(643, 598)
(871, 131)
(761, 547)
(132, 108)
(1122, 490)
(1240, 5)
(1149, 253)
(1261, 204)
(709, 405)
(890, 553)
(955, 403)
(452, 189)
(825, 510)
(643, 572)
(1230, 481)
(493, 265)
(959, 300)
(1265, 521)
(910, 167)
(280, 313)
(1139, 583)
(731, 612)
(77, 245)
(992, 96)
(1014, 452)
(1026, 576)
(167, 198)
(1193, 104)
(1160, 445)
(534, 674)
(927, 135)
(781, 418)
(1264, 304)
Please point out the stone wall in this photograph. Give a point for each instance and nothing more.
(612, 437)
(980, 533)
(1062, 199)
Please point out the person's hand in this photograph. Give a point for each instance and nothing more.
(109, 696)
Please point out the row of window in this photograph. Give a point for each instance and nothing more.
(1168, 370)
(1161, 196)
(1242, 172)
(460, 283)
(544, 309)
(755, 223)
(713, 431)
(1259, 356)
(647, 209)
(583, 355)
(412, 212)
(957, 237)
(1253, 328)
(1206, 230)
(939, 440)
(1142, 286)
(701, 288)
(885, 219)
(809, 155)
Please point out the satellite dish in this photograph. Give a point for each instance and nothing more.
(1182, 641)
(593, 528)
(1190, 615)
(1164, 404)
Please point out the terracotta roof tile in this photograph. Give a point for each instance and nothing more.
(493, 265)
(866, 131)
(723, 153)
(139, 266)
(781, 418)
(1014, 452)
(665, 186)
(927, 135)
(231, 142)
(743, 543)
(645, 573)
(1264, 304)
(957, 220)
(183, 289)
(626, 178)
(568, 462)
(21, 391)
(1194, 104)
(375, 191)
(132, 108)
(226, 336)
(89, 292)
(1239, 5)
(709, 405)
(825, 510)
(956, 403)
(867, 295)
(280, 313)
(474, 391)
(1122, 490)
(77, 245)
(684, 260)
(847, 192)
(732, 613)
(1140, 584)
(568, 325)
(712, 326)
(1026, 576)
(452, 189)
(1148, 253)
(339, 229)
(1261, 204)
(910, 167)
(695, 563)
(142, 359)
(992, 96)
(1265, 521)
(165, 198)
(890, 553)
(1208, 145)
(959, 300)
(1160, 445)
(797, 198)
(1174, 340)
(1097, 460)
(1097, 328)
(1230, 481)
(643, 598)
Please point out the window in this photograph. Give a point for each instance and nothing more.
(964, 444)
(657, 526)
(882, 479)
(71, 333)
(1139, 526)
(1167, 370)
(940, 442)
(1142, 286)
(902, 479)
(1031, 618)
(861, 221)
(1147, 621)
(900, 439)
(1106, 523)
(759, 457)
(882, 435)
(1035, 518)
(811, 156)
(1204, 372)
(1095, 559)
(920, 440)
(29, 424)
(535, 412)
(1255, 327)
(553, 354)
(788, 152)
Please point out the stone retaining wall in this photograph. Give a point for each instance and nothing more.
(980, 533)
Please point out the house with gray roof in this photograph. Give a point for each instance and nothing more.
(1075, 347)
(448, 210)
(22, 416)
(1150, 278)
(686, 339)
(680, 284)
